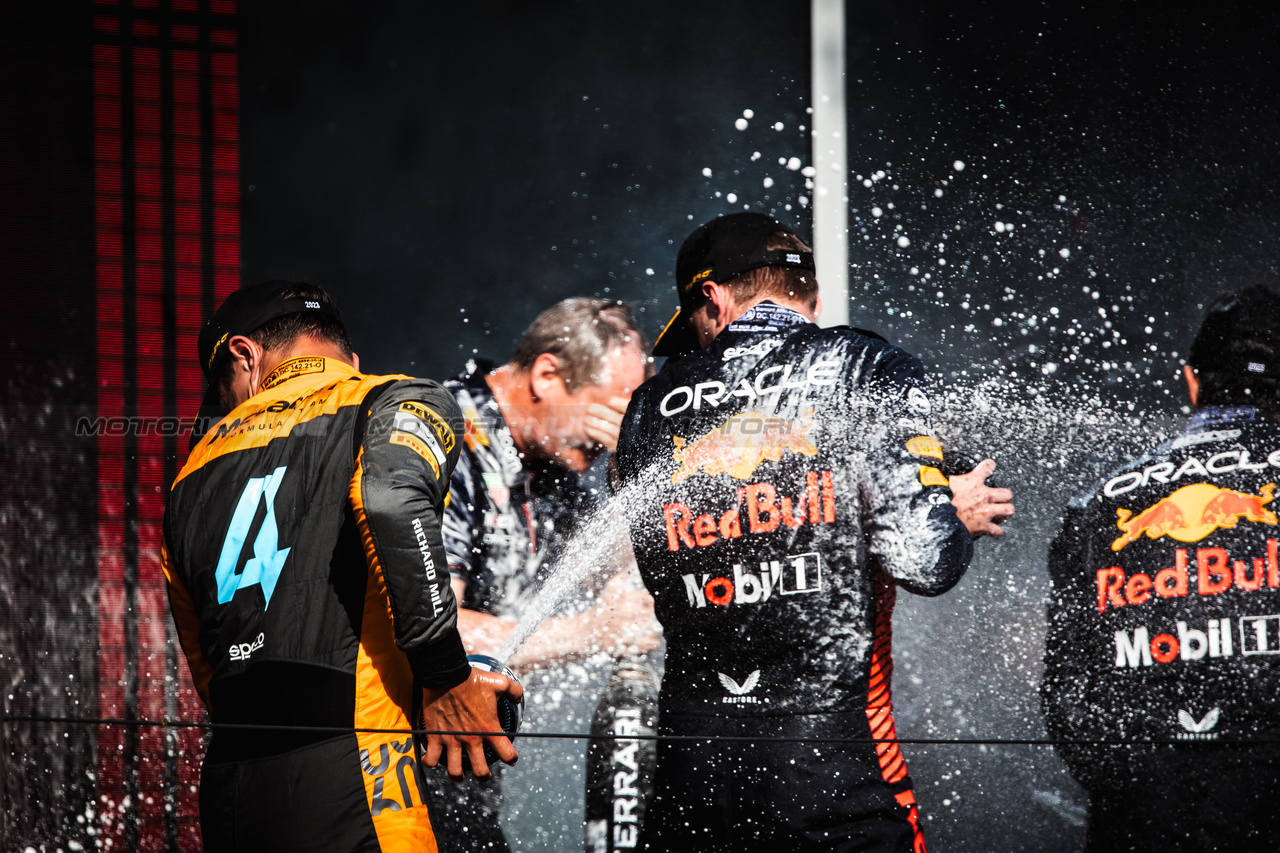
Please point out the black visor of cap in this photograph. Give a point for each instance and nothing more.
(245, 311)
(718, 251)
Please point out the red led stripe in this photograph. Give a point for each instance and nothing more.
(110, 312)
(175, 223)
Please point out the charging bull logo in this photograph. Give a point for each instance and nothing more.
(1192, 513)
(739, 445)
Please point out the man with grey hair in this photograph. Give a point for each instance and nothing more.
(531, 427)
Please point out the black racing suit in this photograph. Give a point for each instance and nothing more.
(1164, 626)
(780, 485)
(309, 586)
(505, 523)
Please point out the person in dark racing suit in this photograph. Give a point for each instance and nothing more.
(531, 428)
(781, 481)
(308, 582)
(1164, 622)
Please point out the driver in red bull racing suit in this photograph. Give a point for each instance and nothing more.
(782, 480)
(1165, 616)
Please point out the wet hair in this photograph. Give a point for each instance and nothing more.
(783, 282)
(581, 333)
(1236, 354)
(282, 332)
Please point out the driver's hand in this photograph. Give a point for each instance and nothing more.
(471, 706)
(981, 508)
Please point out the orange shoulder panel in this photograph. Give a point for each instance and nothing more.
(265, 417)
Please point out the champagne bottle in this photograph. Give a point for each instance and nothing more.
(619, 777)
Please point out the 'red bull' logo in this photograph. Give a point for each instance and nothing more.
(1192, 513)
(741, 444)
(764, 512)
(1215, 572)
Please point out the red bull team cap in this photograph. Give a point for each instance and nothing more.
(1238, 348)
(725, 247)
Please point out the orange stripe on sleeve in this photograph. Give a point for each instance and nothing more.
(394, 781)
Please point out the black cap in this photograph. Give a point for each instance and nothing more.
(725, 247)
(1240, 335)
(246, 310)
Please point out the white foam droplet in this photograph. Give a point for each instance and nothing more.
(777, 125)
(648, 270)
(740, 124)
(732, 198)
(706, 173)
(958, 165)
(768, 182)
(1066, 253)
(793, 164)
(904, 242)
(748, 114)
(877, 212)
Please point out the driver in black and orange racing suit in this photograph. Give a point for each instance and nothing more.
(781, 483)
(309, 586)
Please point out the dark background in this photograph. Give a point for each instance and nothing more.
(448, 171)
(48, 496)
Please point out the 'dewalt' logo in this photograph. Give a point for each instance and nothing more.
(742, 444)
(424, 413)
(1192, 513)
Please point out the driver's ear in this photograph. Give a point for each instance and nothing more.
(715, 298)
(243, 351)
(544, 377)
(1193, 383)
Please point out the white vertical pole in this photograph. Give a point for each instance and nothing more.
(830, 162)
(4, 758)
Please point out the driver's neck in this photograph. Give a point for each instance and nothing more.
(301, 348)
